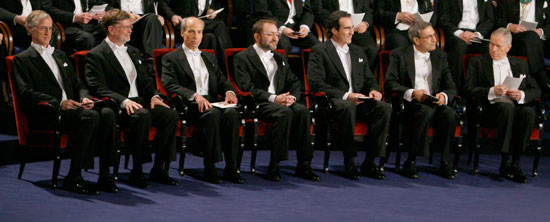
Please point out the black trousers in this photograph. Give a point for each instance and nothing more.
(147, 35)
(418, 119)
(83, 37)
(377, 116)
(219, 130)
(530, 45)
(457, 48)
(288, 120)
(514, 125)
(88, 130)
(365, 41)
(396, 39)
(166, 122)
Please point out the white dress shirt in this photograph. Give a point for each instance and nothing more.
(410, 6)
(133, 6)
(200, 72)
(271, 67)
(527, 13)
(201, 5)
(346, 6)
(502, 69)
(423, 75)
(27, 7)
(470, 17)
(121, 53)
(46, 54)
(77, 7)
(291, 15)
(345, 59)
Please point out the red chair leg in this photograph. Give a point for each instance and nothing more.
(22, 160)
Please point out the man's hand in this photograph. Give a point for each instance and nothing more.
(156, 101)
(303, 32)
(288, 32)
(467, 36)
(500, 90)
(210, 11)
(131, 106)
(20, 20)
(376, 95)
(202, 103)
(539, 32)
(355, 98)
(230, 98)
(514, 94)
(99, 16)
(176, 19)
(134, 17)
(70, 104)
(515, 28)
(406, 18)
(83, 18)
(284, 99)
(441, 98)
(87, 103)
(161, 20)
(418, 95)
(361, 27)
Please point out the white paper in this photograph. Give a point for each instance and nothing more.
(426, 17)
(357, 18)
(512, 82)
(528, 25)
(213, 13)
(222, 106)
(98, 8)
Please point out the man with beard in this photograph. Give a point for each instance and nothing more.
(267, 75)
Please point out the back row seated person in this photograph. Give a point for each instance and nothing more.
(416, 72)
(117, 71)
(196, 76)
(341, 70)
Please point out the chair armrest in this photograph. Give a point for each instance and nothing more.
(538, 105)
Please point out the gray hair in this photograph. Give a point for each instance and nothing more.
(417, 28)
(504, 32)
(184, 22)
(35, 17)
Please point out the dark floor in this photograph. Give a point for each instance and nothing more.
(484, 197)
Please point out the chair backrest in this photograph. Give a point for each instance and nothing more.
(8, 37)
(157, 56)
(80, 63)
(20, 118)
(305, 61)
(384, 62)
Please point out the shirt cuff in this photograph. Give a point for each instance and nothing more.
(542, 34)
(479, 35)
(306, 27)
(408, 95)
(74, 16)
(491, 95)
(293, 97)
(281, 30)
(345, 96)
(522, 100)
(458, 32)
(446, 98)
(231, 93)
(123, 104)
(396, 21)
(14, 23)
(508, 25)
(271, 98)
(192, 97)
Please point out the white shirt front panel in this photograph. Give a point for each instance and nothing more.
(77, 7)
(292, 12)
(470, 15)
(134, 6)
(46, 54)
(345, 59)
(128, 66)
(270, 66)
(27, 7)
(527, 11)
(200, 72)
(201, 4)
(346, 6)
(410, 6)
(423, 70)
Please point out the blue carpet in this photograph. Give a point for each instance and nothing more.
(484, 197)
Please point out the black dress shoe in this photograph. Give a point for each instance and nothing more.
(305, 172)
(517, 174)
(231, 174)
(372, 171)
(107, 184)
(160, 176)
(409, 170)
(273, 172)
(211, 176)
(352, 173)
(78, 185)
(446, 172)
(506, 170)
(137, 179)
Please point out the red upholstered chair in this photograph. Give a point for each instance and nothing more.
(32, 138)
(479, 132)
(395, 140)
(255, 128)
(320, 104)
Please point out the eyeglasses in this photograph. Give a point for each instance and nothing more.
(44, 28)
(432, 36)
(270, 34)
(124, 26)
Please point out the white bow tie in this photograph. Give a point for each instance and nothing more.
(193, 53)
(267, 55)
(122, 48)
(344, 49)
(500, 62)
(48, 50)
(425, 56)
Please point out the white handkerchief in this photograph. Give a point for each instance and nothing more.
(360, 60)
(139, 62)
(65, 65)
(283, 63)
